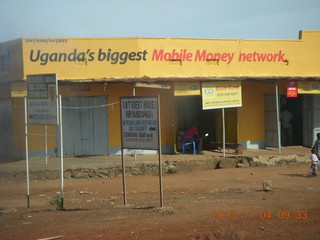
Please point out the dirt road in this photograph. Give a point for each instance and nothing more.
(213, 204)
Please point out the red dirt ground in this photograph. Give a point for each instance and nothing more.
(205, 205)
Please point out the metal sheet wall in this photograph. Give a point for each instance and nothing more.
(85, 124)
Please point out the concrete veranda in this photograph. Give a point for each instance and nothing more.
(8, 165)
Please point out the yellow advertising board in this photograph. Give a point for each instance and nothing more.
(101, 59)
(18, 89)
(186, 88)
(221, 94)
(83, 58)
(309, 87)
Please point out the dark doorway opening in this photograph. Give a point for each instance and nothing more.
(294, 106)
(188, 111)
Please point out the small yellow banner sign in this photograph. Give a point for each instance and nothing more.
(19, 89)
(187, 88)
(309, 87)
(221, 94)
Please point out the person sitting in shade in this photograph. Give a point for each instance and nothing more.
(193, 132)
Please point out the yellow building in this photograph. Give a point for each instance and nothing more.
(93, 73)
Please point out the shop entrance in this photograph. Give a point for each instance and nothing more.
(293, 106)
(189, 110)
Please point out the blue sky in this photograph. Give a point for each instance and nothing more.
(243, 19)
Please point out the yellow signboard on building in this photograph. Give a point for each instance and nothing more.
(309, 87)
(18, 89)
(221, 94)
(187, 88)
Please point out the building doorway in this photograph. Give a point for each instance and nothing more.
(189, 111)
(85, 126)
(294, 106)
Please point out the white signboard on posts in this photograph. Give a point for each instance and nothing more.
(42, 99)
(140, 122)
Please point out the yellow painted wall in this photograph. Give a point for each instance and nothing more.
(251, 116)
(231, 125)
(114, 128)
(167, 112)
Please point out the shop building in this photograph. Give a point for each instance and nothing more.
(93, 73)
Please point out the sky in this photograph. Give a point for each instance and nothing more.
(223, 19)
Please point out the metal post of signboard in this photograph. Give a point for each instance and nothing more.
(223, 134)
(278, 120)
(159, 153)
(46, 142)
(27, 152)
(151, 132)
(124, 185)
(61, 151)
(134, 94)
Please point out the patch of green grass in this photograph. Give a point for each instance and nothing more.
(56, 201)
